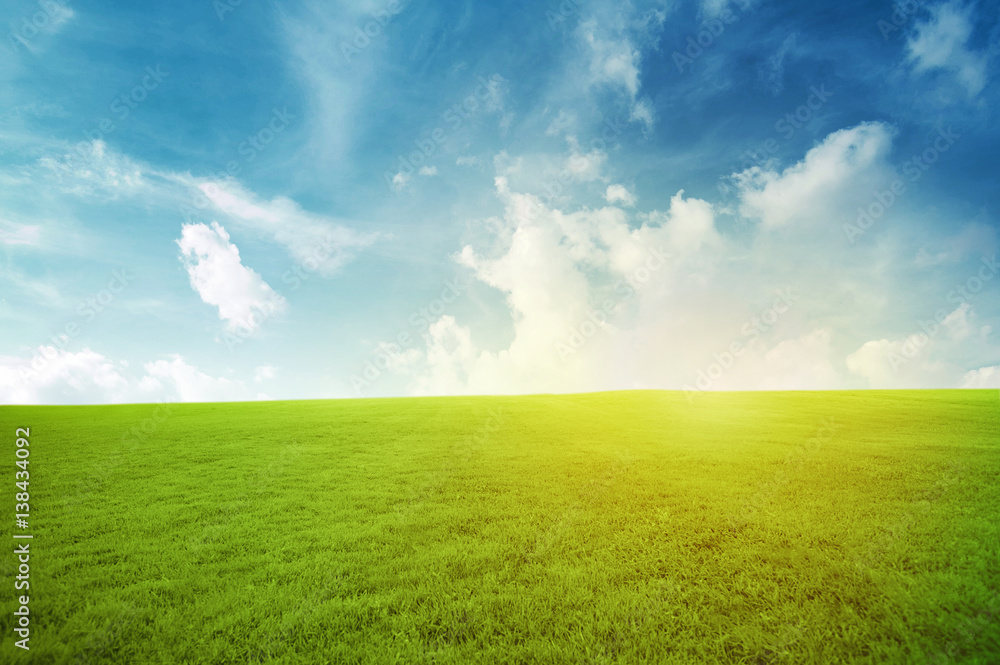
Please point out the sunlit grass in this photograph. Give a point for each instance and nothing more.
(625, 527)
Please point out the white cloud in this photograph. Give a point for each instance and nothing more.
(714, 8)
(218, 275)
(314, 241)
(57, 376)
(89, 169)
(263, 373)
(941, 43)
(400, 181)
(843, 162)
(614, 63)
(878, 361)
(428, 171)
(565, 122)
(957, 323)
(183, 382)
(553, 269)
(54, 376)
(585, 167)
(619, 194)
(19, 234)
(984, 377)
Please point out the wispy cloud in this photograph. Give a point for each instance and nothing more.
(941, 43)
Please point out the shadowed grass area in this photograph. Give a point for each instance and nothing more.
(626, 527)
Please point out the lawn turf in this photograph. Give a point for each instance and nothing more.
(620, 527)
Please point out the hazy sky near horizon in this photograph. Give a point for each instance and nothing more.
(224, 200)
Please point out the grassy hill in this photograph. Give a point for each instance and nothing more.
(627, 527)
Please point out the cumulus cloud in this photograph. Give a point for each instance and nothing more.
(263, 373)
(58, 376)
(559, 271)
(619, 194)
(844, 161)
(180, 381)
(218, 275)
(984, 377)
(428, 171)
(941, 43)
(400, 181)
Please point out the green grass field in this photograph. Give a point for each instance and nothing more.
(628, 527)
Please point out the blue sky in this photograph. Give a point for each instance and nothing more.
(217, 201)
